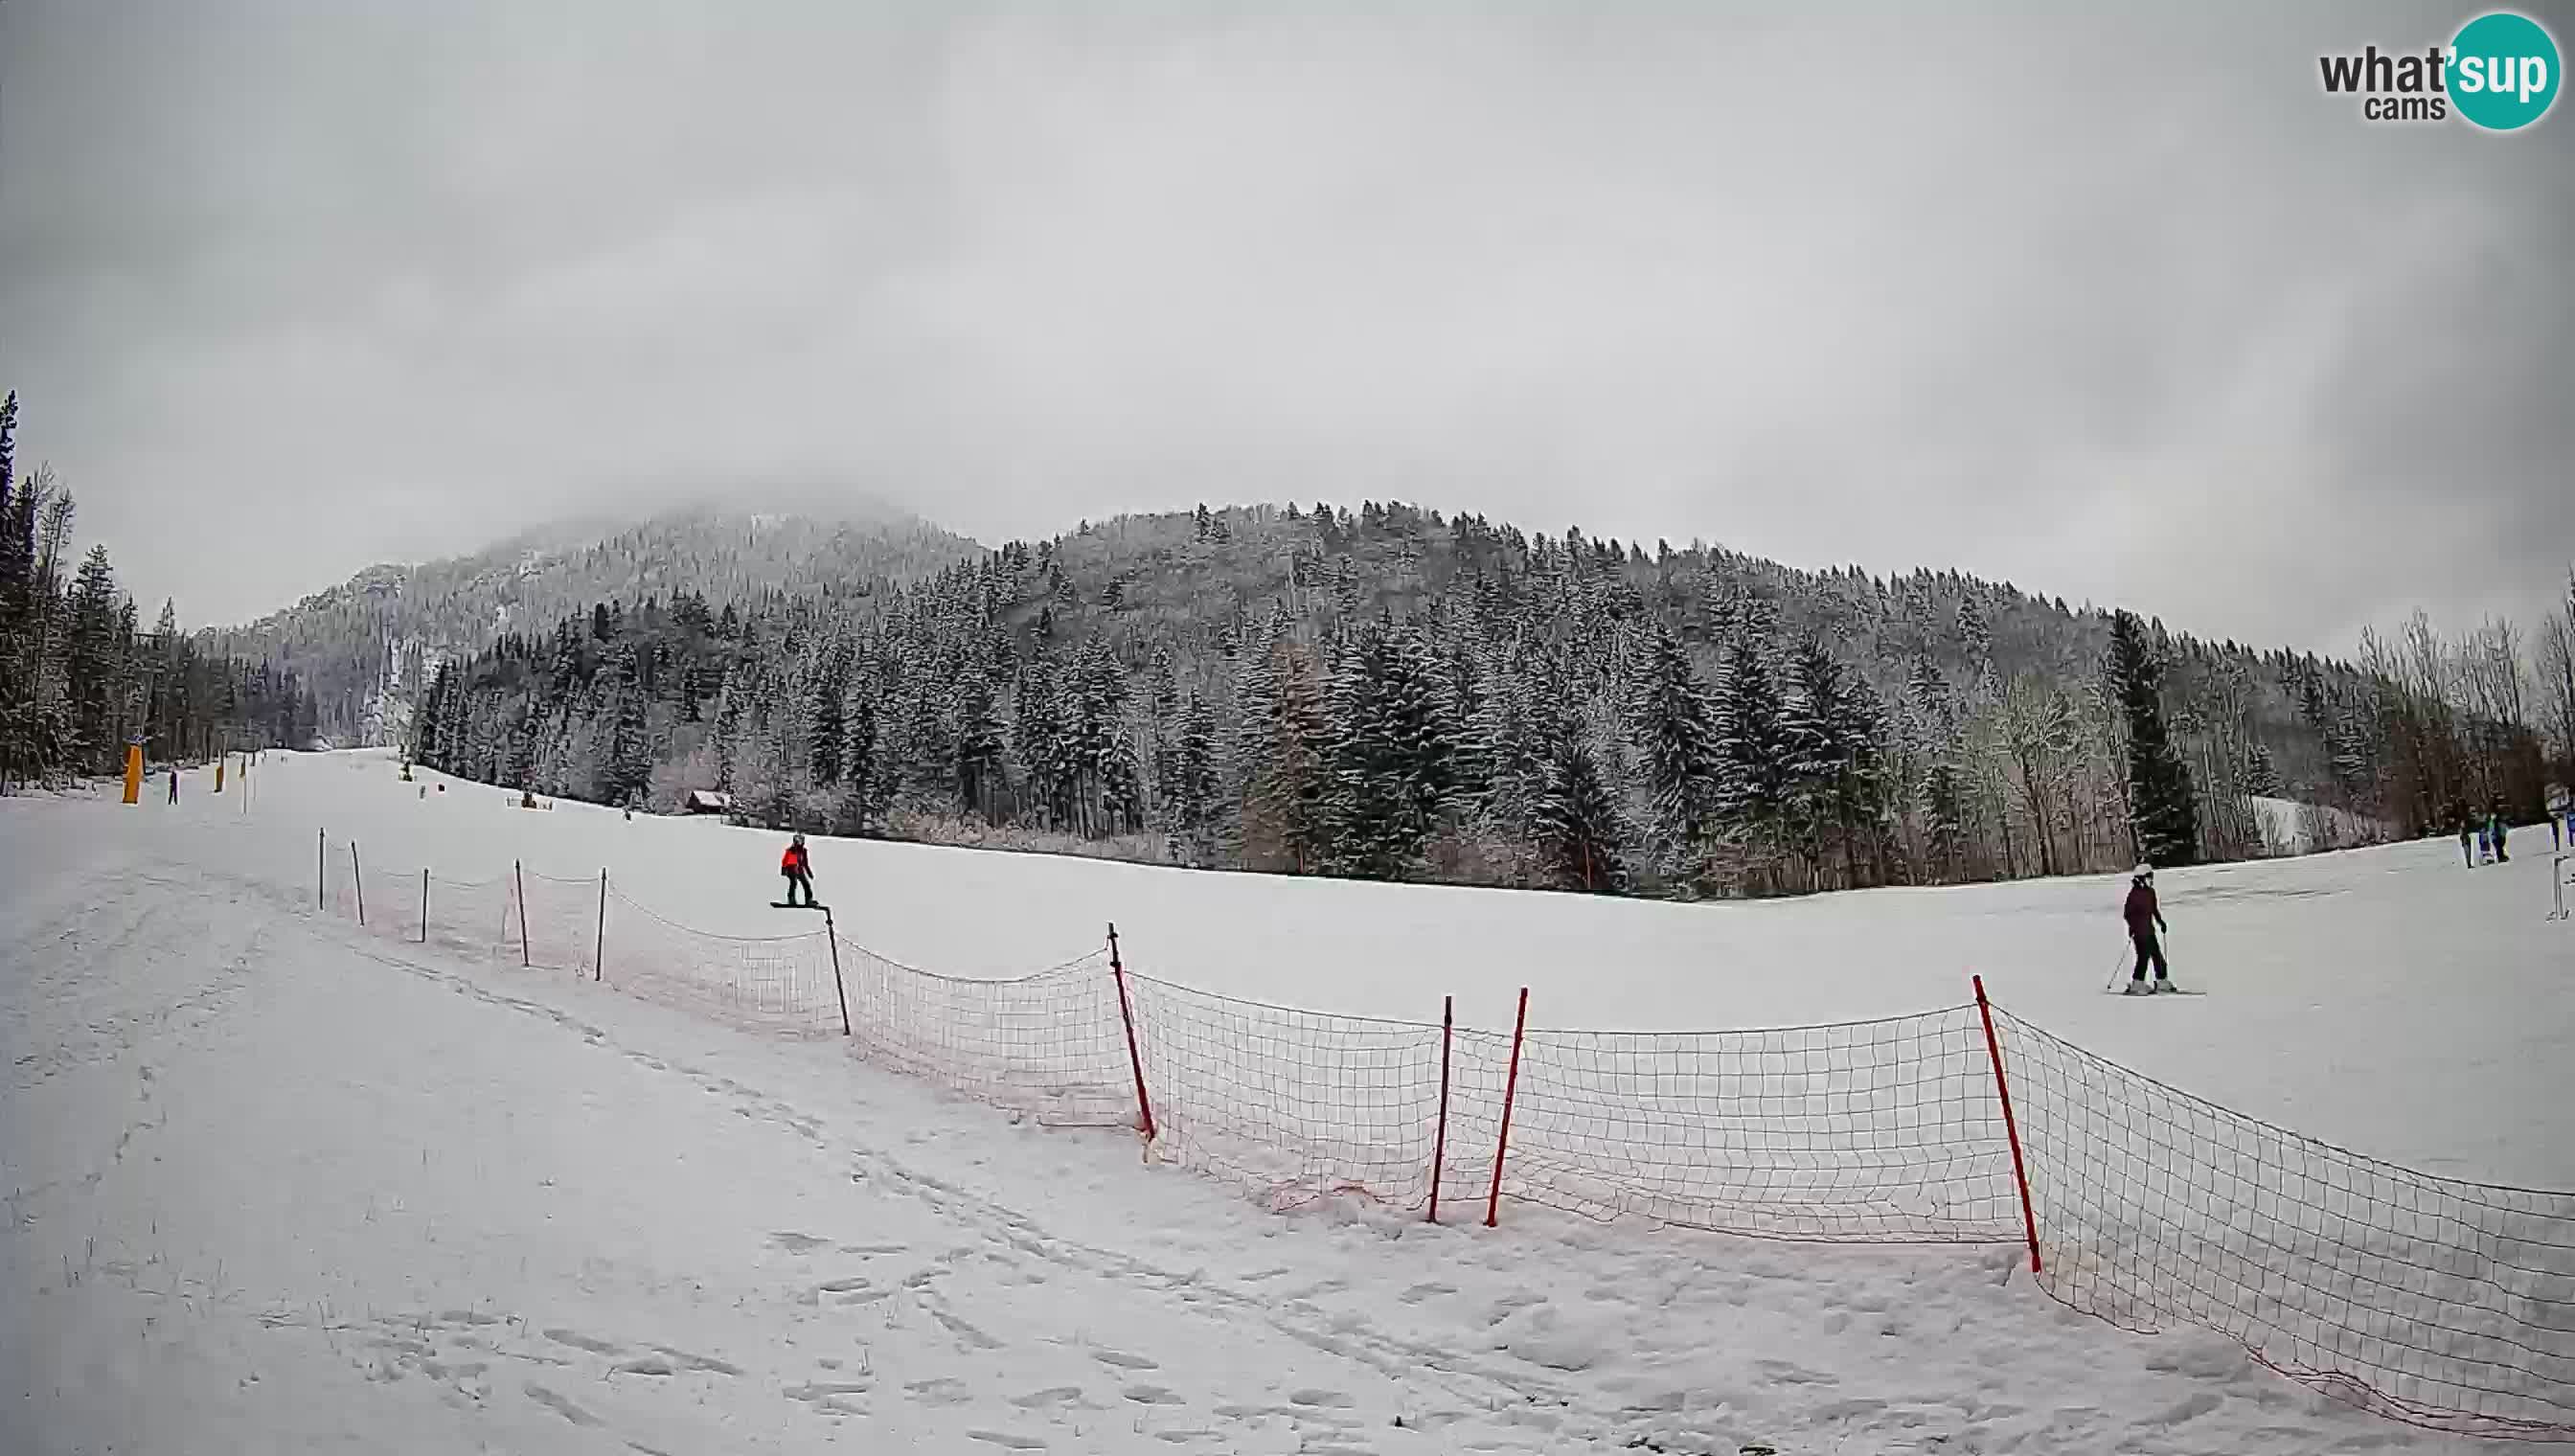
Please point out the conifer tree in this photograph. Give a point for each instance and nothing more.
(2167, 814)
(1675, 730)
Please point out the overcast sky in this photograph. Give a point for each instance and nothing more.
(2117, 310)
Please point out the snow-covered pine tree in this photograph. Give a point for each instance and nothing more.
(1752, 801)
(1675, 723)
(1574, 825)
(1391, 770)
(981, 749)
(631, 748)
(2160, 788)
(1287, 803)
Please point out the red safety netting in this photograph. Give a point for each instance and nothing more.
(2439, 1302)
(2444, 1303)
(781, 983)
(415, 906)
(1299, 1104)
(552, 922)
(1866, 1131)
(1051, 1045)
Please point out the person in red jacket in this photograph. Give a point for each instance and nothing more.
(2146, 918)
(798, 866)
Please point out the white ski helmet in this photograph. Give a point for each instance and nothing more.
(2145, 872)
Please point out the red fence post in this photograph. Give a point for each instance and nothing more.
(358, 880)
(832, 935)
(599, 951)
(424, 905)
(1511, 1092)
(1134, 1056)
(2011, 1129)
(1439, 1140)
(527, 954)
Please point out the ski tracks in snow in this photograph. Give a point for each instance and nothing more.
(275, 1184)
(986, 1300)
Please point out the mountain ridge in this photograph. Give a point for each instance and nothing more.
(363, 645)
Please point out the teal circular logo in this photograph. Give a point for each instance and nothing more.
(2503, 71)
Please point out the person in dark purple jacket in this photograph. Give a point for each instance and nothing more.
(2146, 918)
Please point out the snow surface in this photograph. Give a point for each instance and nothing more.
(2285, 826)
(276, 1185)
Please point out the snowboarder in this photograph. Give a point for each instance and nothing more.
(798, 866)
(2146, 918)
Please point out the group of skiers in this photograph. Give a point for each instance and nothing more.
(2481, 838)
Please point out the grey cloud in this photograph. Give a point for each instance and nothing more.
(2119, 310)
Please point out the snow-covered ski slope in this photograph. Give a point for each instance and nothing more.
(278, 1184)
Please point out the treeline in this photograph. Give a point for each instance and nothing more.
(1390, 694)
(362, 648)
(79, 681)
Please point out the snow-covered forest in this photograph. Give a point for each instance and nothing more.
(1389, 694)
(80, 680)
(360, 647)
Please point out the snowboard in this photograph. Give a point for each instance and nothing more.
(783, 906)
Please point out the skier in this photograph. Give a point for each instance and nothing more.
(2144, 919)
(2485, 839)
(2495, 824)
(174, 785)
(2467, 841)
(798, 866)
(2559, 818)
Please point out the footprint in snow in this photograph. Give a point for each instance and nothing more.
(560, 1406)
(580, 1341)
(1009, 1440)
(708, 1363)
(799, 1243)
(818, 1391)
(1125, 1361)
(1321, 1399)
(1052, 1395)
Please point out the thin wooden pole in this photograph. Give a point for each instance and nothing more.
(2011, 1129)
(1134, 1056)
(832, 933)
(1439, 1140)
(1511, 1092)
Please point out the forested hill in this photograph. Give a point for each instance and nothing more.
(82, 681)
(1396, 695)
(360, 647)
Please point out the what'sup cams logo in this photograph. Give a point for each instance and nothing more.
(2500, 72)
